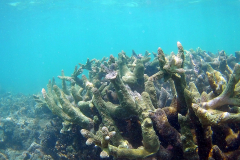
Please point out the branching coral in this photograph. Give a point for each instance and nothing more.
(176, 121)
(208, 114)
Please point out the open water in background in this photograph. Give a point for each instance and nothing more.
(39, 38)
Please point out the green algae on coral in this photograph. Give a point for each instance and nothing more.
(125, 87)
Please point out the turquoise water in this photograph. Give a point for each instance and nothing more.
(39, 38)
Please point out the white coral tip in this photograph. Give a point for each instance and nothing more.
(179, 44)
(104, 128)
(107, 138)
(225, 115)
(113, 133)
(44, 93)
(89, 141)
(104, 154)
(84, 132)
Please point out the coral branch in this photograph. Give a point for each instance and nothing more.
(124, 95)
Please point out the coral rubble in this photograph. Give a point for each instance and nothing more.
(178, 106)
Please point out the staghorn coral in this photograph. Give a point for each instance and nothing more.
(189, 147)
(182, 102)
(208, 114)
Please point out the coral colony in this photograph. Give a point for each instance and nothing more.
(177, 106)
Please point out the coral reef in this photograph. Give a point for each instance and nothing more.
(31, 132)
(177, 106)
